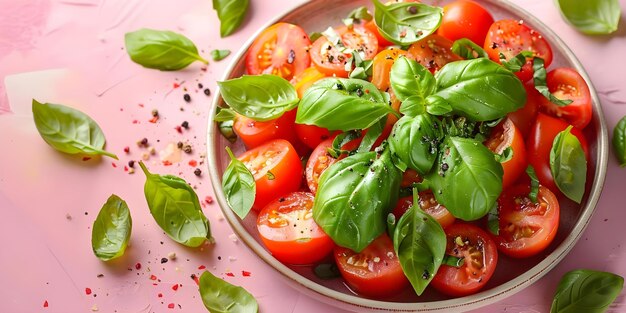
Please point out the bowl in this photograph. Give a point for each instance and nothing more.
(316, 15)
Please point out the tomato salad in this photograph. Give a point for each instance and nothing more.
(410, 144)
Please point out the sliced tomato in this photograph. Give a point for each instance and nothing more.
(304, 80)
(539, 145)
(524, 118)
(566, 83)
(375, 272)
(510, 37)
(480, 256)
(381, 67)
(330, 60)
(289, 232)
(276, 168)
(318, 162)
(312, 135)
(254, 133)
(409, 177)
(526, 228)
(433, 52)
(429, 205)
(465, 19)
(281, 49)
(503, 136)
(382, 42)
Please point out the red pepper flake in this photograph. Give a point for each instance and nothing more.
(230, 274)
(45, 304)
(140, 105)
(179, 129)
(175, 287)
(208, 199)
(125, 168)
(127, 149)
(86, 158)
(160, 295)
(246, 273)
(170, 306)
(138, 266)
(113, 164)
(154, 119)
(176, 85)
(87, 291)
(201, 267)
(193, 163)
(152, 277)
(135, 122)
(167, 163)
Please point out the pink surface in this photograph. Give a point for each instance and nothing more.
(70, 52)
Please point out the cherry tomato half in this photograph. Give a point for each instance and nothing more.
(524, 118)
(503, 136)
(429, 205)
(526, 228)
(318, 162)
(433, 52)
(276, 168)
(480, 258)
(465, 19)
(375, 272)
(381, 67)
(566, 83)
(289, 232)
(510, 37)
(281, 50)
(254, 133)
(328, 58)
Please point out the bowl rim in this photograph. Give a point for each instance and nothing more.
(464, 303)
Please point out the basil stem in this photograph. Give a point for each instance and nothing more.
(586, 291)
(239, 186)
(111, 229)
(592, 17)
(468, 50)
(619, 141)
(161, 50)
(534, 184)
(221, 296)
(568, 165)
(231, 14)
(539, 79)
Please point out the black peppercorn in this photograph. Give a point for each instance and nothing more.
(187, 97)
(197, 172)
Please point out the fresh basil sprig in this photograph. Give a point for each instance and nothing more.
(342, 104)
(409, 79)
(221, 296)
(175, 207)
(539, 79)
(161, 50)
(111, 229)
(406, 23)
(239, 186)
(420, 243)
(505, 156)
(69, 130)
(478, 89)
(360, 13)
(516, 63)
(259, 97)
(534, 183)
(353, 198)
(568, 165)
(586, 291)
(619, 141)
(218, 55)
(415, 140)
(592, 17)
(467, 179)
(231, 14)
(340, 140)
(468, 50)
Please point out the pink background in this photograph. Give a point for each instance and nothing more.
(70, 52)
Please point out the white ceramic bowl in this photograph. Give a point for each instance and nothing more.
(511, 275)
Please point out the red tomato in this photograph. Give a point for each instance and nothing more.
(318, 162)
(375, 272)
(312, 135)
(524, 118)
(254, 133)
(566, 83)
(281, 50)
(480, 258)
(539, 145)
(409, 177)
(511, 37)
(330, 61)
(276, 168)
(465, 19)
(503, 136)
(289, 232)
(526, 228)
(381, 67)
(429, 205)
(382, 42)
(433, 52)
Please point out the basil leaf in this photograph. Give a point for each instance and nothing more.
(372, 135)
(360, 13)
(218, 55)
(406, 23)
(354, 197)
(175, 207)
(221, 296)
(420, 243)
(539, 79)
(231, 14)
(586, 291)
(259, 97)
(391, 224)
(592, 17)
(478, 89)
(224, 115)
(239, 186)
(493, 220)
(408, 79)
(315, 36)
(161, 50)
(619, 141)
(505, 156)
(516, 63)
(226, 129)
(413, 106)
(468, 50)
(326, 271)
(568, 165)
(69, 130)
(534, 183)
(342, 104)
(436, 107)
(453, 261)
(467, 180)
(111, 229)
(342, 139)
(422, 134)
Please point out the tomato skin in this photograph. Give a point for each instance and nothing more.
(539, 145)
(382, 42)
(566, 83)
(429, 205)
(254, 133)
(370, 278)
(506, 135)
(510, 37)
(296, 239)
(312, 135)
(304, 80)
(519, 215)
(381, 67)
(409, 177)
(330, 61)
(465, 19)
(284, 164)
(468, 278)
(318, 162)
(524, 118)
(433, 52)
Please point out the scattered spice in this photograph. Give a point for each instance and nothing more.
(197, 172)
(187, 148)
(153, 277)
(179, 129)
(193, 163)
(155, 112)
(179, 144)
(246, 273)
(45, 304)
(100, 275)
(143, 142)
(127, 149)
(164, 260)
(230, 274)
(138, 266)
(208, 199)
(187, 97)
(160, 295)
(86, 158)
(113, 164)
(185, 125)
(200, 86)
(201, 267)
(170, 306)
(176, 85)
(87, 291)
(175, 287)
(171, 256)
(131, 163)
(207, 91)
